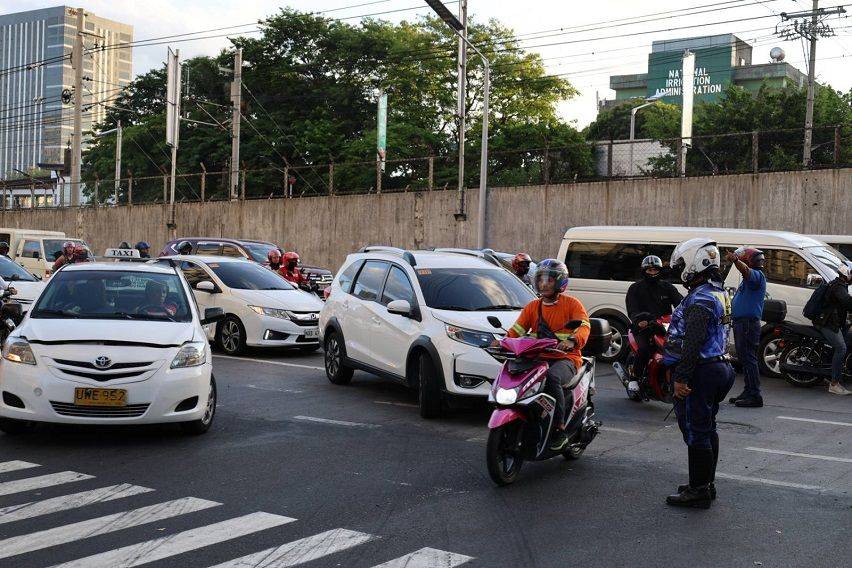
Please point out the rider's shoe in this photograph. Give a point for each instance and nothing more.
(750, 402)
(559, 441)
(697, 497)
(837, 388)
(712, 487)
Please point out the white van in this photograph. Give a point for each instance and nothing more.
(35, 250)
(603, 262)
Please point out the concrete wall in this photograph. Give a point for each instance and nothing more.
(324, 229)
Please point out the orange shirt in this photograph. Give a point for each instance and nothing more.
(556, 315)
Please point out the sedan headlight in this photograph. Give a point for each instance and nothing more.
(18, 351)
(469, 336)
(190, 355)
(271, 312)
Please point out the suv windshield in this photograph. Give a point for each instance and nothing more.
(248, 276)
(10, 270)
(119, 294)
(259, 251)
(53, 247)
(472, 289)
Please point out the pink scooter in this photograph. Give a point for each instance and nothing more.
(521, 425)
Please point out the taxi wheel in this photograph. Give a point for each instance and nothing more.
(197, 427)
(15, 427)
(231, 336)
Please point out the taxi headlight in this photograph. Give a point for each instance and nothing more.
(271, 312)
(18, 351)
(190, 355)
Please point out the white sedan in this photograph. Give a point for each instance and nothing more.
(261, 308)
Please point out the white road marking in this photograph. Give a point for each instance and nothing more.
(619, 430)
(427, 558)
(335, 422)
(66, 502)
(767, 481)
(280, 363)
(42, 481)
(15, 465)
(179, 543)
(300, 551)
(102, 525)
(832, 422)
(798, 455)
(272, 389)
(392, 403)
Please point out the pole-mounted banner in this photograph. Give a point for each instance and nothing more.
(382, 130)
(173, 92)
(687, 86)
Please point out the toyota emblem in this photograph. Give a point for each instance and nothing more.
(103, 362)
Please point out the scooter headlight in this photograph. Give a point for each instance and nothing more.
(506, 396)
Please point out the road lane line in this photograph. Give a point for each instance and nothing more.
(767, 481)
(66, 502)
(102, 525)
(280, 363)
(427, 558)
(301, 551)
(15, 465)
(179, 543)
(42, 481)
(832, 422)
(619, 430)
(335, 422)
(392, 403)
(798, 455)
(272, 389)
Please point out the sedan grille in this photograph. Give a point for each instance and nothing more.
(102, 376)
(129, 411)
(89, 365)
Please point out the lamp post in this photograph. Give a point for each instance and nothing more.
(648, 102)
(457, 27)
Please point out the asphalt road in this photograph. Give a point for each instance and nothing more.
(297, 470)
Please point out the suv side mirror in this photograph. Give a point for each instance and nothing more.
(212, 315)
(206, 286)
(400, 308)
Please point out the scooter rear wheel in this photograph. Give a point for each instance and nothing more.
(504, 464)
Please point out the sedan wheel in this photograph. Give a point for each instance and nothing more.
(231, 336)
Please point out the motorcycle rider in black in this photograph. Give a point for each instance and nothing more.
(832, 324)
(648, 300)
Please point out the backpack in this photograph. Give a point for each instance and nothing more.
(815, 306)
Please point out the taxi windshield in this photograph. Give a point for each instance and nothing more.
(106, 294)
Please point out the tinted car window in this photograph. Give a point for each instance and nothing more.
(370, 280)
(231, 250)
(472, 289)
(13, 271)
(397, 287)
(259, 251)
(32, 249)
(193, 273)
(248, 276)
(786, 267)
(347, 276)
(605, 261)
(208, 249)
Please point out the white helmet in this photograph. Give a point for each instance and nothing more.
(845, 269)
(694, 257)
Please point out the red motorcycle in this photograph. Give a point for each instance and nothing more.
(654, 383)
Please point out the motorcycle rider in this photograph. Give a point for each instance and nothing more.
(521, 267)
(648, 300)
(832, 324)
(81, 254)
(545, 317)
(144, 249)
(184, 248)
(702, 376)
(4, 249)
(274, 258)
(67, 256)
(291, 272)
(747, 311)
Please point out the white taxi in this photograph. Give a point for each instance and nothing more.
(110, 343)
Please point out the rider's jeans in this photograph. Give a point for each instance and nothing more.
(559, 375)
(644, 339)
(838, 342)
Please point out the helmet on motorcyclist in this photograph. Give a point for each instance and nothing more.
(184, 247)
(753, 257)
(4, 247)
(143, 247)
(651, 267)
(695, 258)
(273, 256)
(521, 263)
(291, 260)
(845, 270)
(551, 268)
(68, 248)
(80, 252)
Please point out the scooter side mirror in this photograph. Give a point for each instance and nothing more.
(495, 322)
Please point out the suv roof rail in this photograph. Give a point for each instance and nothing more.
(485, 254)
(409, 258)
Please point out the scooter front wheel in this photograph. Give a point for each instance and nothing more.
(504, 463)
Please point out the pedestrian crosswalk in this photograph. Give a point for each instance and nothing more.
(310, 548)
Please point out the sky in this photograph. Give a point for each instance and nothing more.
(587, 61)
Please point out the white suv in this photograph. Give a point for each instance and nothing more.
(421, 318)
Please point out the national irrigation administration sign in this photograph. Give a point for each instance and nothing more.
(712, 74)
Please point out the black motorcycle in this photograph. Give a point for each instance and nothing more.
(805, 358)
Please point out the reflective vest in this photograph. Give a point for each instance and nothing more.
(716, 301)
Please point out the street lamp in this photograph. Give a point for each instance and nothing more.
(457, 27)
(648, 102)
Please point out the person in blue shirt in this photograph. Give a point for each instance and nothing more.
(747, 311)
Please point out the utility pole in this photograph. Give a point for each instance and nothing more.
(236, 97)
(808, 24)
(77, 137)
(117, 161)
(462, 107)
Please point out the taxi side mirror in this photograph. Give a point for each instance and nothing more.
(206, 286)
(213, 315)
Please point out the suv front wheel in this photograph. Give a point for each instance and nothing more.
(429, 387)
(335, 370)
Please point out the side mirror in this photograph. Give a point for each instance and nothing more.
(212, 315)
(813, 280)
(495, 322)
(400, 308)
(206, 286)
(36, 255)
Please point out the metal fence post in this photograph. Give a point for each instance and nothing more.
(431, 181)
(32, 195)
(165, 189)
(97, 186)
(129, 188)
(609, 159)
(378, 176)
(836, 145)
(546, 166)
(755, 152)
(680, 166)
(203, 181)
(243, 184)
(331, 178)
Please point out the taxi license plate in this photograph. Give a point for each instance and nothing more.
(100, 397)
(312, 333)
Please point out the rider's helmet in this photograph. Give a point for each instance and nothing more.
(80, 252)
(753, 257)
(184, 247)
(521, 263)
(4, 246)
(845, 269)
(551, 268)
(291, 259)
(273, 256)
(694, 257)
(142, 245)
(68, 248)
(651, 261)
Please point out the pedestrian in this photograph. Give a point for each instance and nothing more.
(702, 376)
(747, 312)
(832, 324)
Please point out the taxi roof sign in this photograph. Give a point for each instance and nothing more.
(121, 253)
